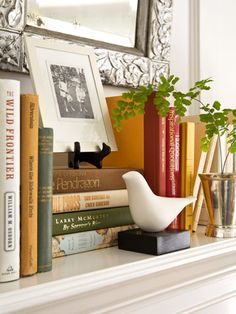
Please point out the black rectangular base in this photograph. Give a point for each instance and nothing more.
(155, 243)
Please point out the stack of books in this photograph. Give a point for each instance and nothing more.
(169, 159)
(65, 211)
(90, 207)
(86, 207)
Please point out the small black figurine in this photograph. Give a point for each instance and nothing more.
(94, 158)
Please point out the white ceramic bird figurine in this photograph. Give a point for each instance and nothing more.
(150, 212)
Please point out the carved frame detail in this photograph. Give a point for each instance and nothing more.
(116, 68)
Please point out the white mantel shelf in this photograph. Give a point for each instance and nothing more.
(115, 281)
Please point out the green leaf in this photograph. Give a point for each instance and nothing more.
(186, 102)
(141, 111)
(116, 111)
(206, 117)
(163, 79)
(216, 105)
(171, 78)
(175, 80)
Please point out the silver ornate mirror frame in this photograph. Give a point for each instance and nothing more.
(118, 66)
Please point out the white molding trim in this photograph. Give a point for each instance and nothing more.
(194, 48)
(180, 282)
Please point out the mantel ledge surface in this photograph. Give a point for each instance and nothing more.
(119, 287)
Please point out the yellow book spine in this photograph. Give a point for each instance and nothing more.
(187, 171)
(29, 183)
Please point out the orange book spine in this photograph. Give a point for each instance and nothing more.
(29, 183)
(130, 141)
(187, 171)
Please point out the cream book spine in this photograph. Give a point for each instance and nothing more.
(9, 179)
(89, 200)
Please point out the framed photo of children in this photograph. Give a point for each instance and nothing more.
(71, 97)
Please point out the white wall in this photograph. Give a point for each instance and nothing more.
(218, 49)
(204, 45)
(180, 50)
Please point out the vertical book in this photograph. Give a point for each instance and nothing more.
(173, 160)
(45, 173)
(29, 118)
(155, 149)
(187, 171)
(10, 179)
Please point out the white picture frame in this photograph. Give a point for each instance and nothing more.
(71, 96)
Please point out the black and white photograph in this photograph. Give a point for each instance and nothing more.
(71, 92)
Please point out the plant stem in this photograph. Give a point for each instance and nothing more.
(220, 149)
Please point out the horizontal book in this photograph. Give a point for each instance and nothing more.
(72, 222)
(89, 200)
(73, 243)
(88, 179)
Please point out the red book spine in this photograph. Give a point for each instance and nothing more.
(161, 156)
(154, 149)
(173, 160)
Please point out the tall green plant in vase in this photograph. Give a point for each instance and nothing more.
(220, 188)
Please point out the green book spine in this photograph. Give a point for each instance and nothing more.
(45, 175)
(65, 223)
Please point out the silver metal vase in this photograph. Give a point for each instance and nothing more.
(220, 196)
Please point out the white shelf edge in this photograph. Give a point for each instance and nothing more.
(80, 288)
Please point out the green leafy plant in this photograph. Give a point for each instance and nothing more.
(216, 119)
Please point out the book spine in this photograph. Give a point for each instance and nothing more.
(45, 172)
(9, 180)
(187, 171)
(130, 141)
(150, 142)
(86, 241)
(88, 179)
(161, 157)
(172, 155)
(154, 149)
(29, 113)
(173, 160)
(72, 222)
(89, 200)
